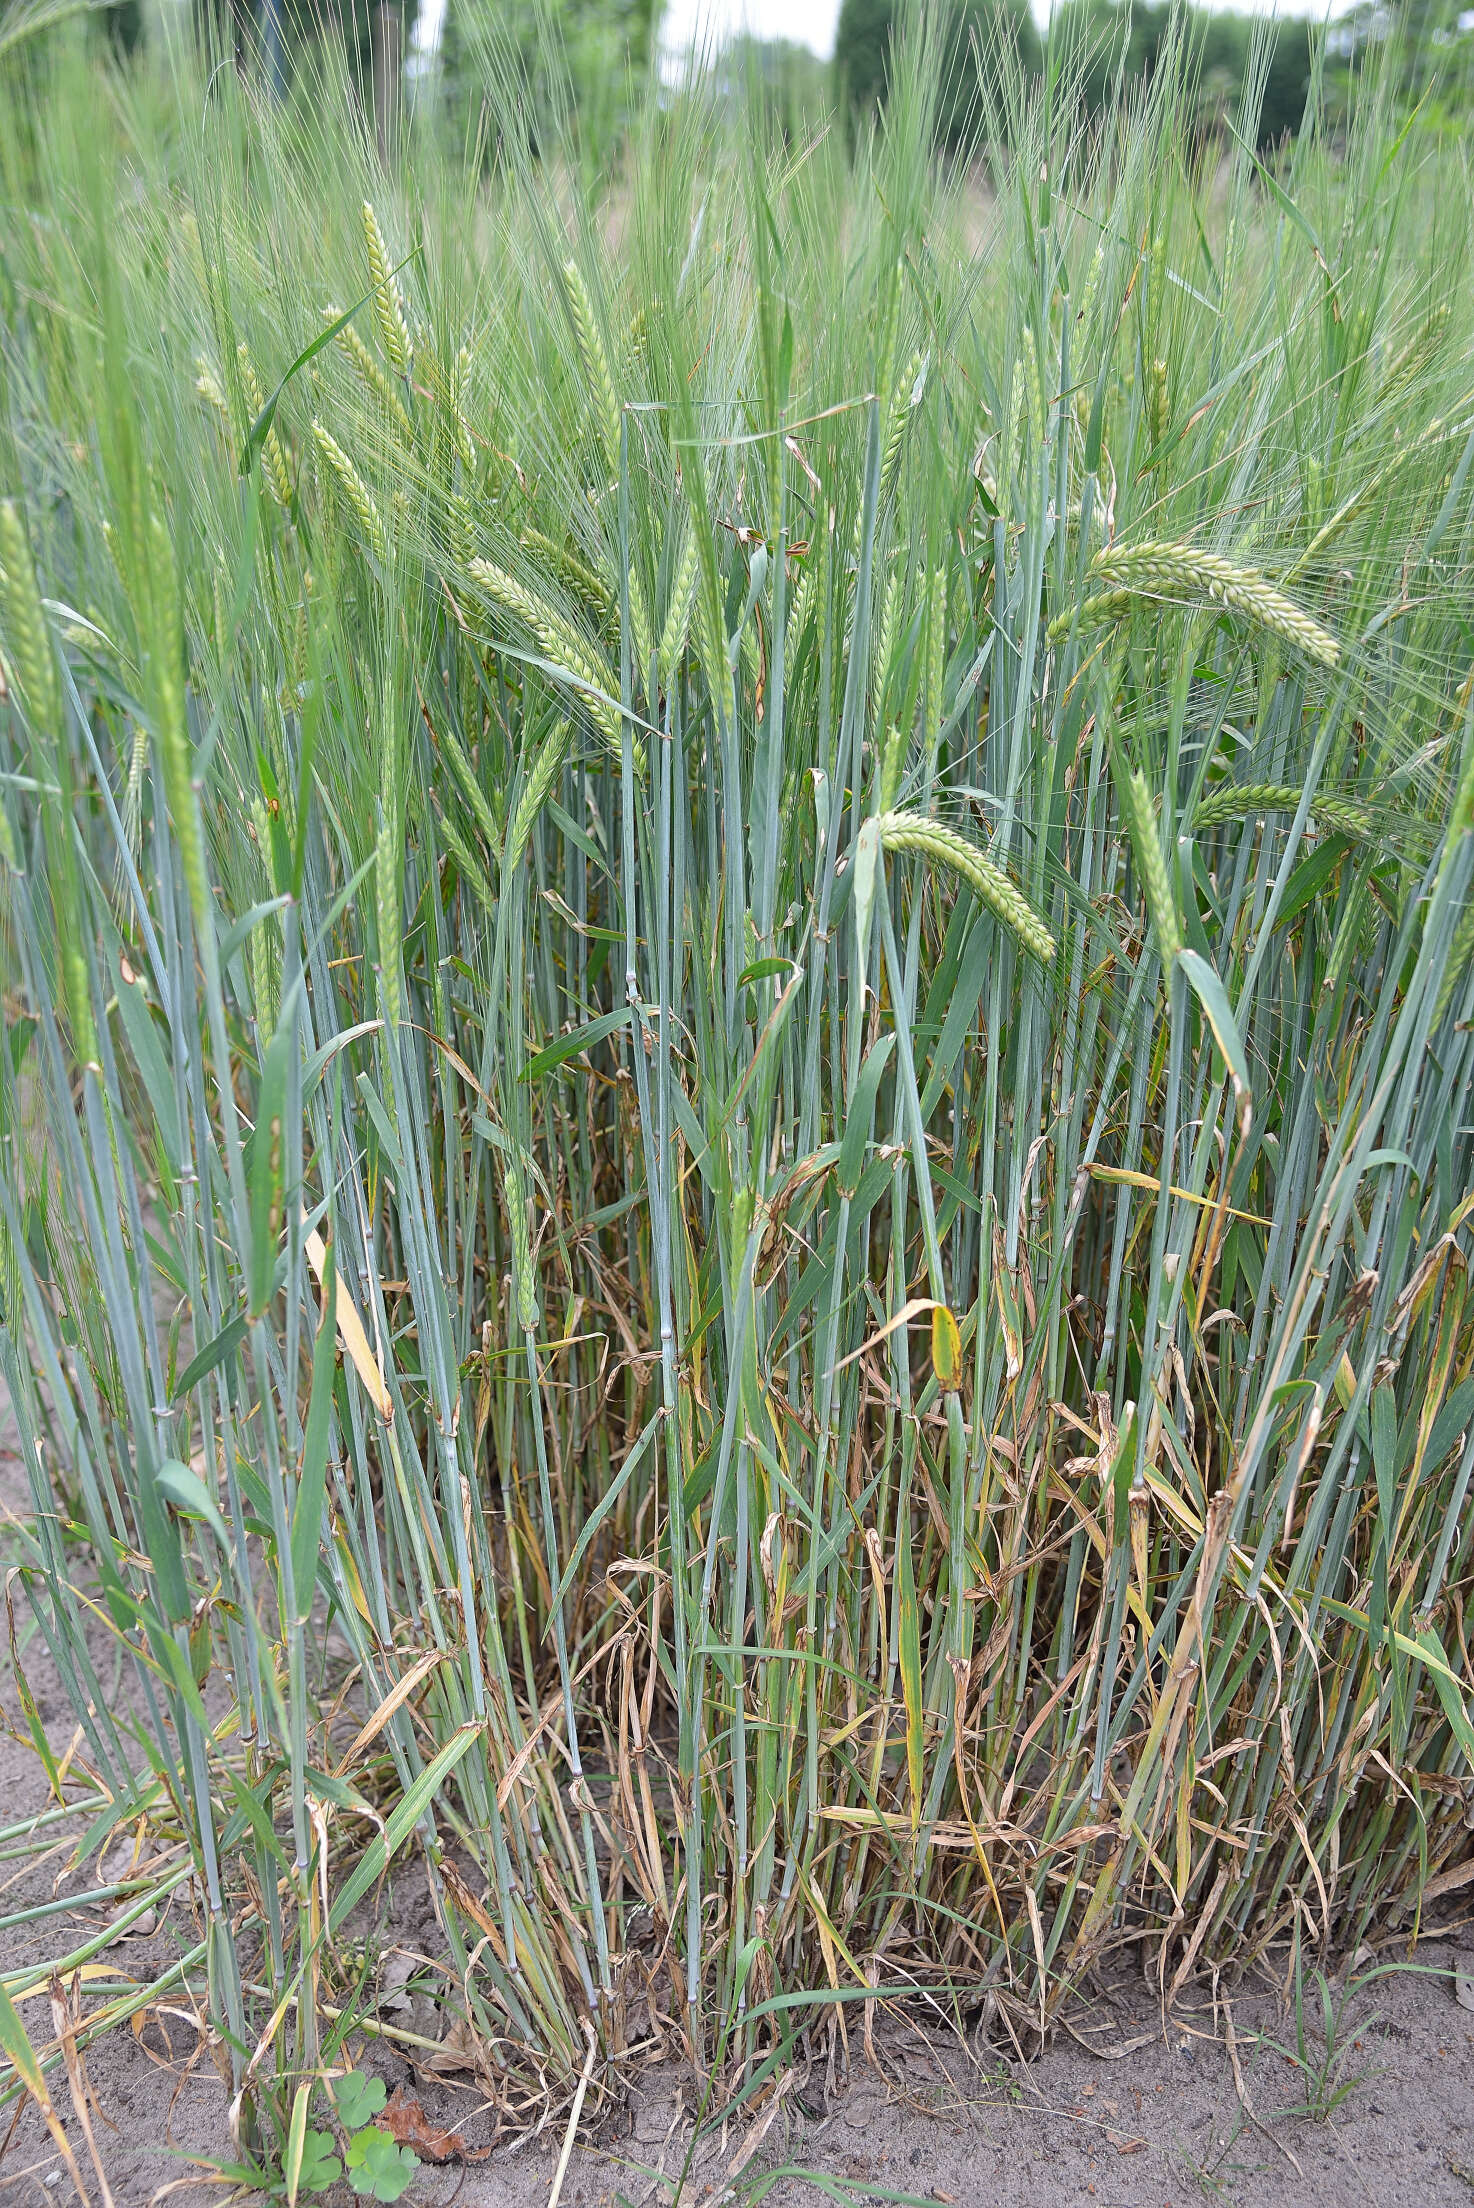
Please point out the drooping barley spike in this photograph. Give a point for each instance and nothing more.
(273, 459)
(388, 306)
(1106, 605)
(1185, 571)
(1146, 848)
(355, 490)
(29, 642)
(945, 847)
(678, 613)
(561, 644)
(591, 587)
(371, 375)
(595, 361)
(536, 790)
(1240, 800)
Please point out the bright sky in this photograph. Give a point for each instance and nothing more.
(807, 22)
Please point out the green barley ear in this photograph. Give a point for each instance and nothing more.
(595, 360)
(1183, 571)
(524, 1276)
(388, 306)
(1146, 848)
(30, 651)
(1157, 404)
(1239, 800)
(563, 646)
(536, 791)
(208, 387)
(891, 762)
(678, 613)
(910, 389)
(460, 400)
(273, 459)
(370, 374)
(355, 490)
(166, 668)
(945, 847)
(576, 573)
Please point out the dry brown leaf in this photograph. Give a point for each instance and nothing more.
(406, 2122)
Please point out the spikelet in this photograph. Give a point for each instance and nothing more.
(1184, 571)
(945, 847)
(1146, 848)
(355, 490)
(273, 459)
(388, 307)
(1238, 800)
(595, 361)
(536, 791)
(372, 376)
(208, 387)
(678, 613)
(560, 643)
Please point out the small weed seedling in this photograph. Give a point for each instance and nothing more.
(1324, 2045)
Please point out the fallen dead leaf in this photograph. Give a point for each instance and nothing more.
(1123, 2145)
(406, 2122)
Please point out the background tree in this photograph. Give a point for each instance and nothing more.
(982, 42)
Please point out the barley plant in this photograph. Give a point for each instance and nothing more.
(740, 1053)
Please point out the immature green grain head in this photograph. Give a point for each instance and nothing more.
(944, 847)
(388, 305)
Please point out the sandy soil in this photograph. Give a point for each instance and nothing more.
(1125, 2108)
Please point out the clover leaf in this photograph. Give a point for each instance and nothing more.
(320, 2165)
(377, 2166)
(357, 2098)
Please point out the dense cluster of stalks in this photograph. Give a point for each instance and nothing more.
(737, 1109)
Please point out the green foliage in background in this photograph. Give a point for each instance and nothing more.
(740, 1054)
